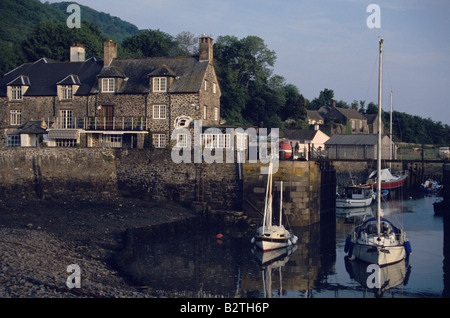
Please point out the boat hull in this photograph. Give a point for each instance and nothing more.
(353, 203)
(378, 254)
(273, 237)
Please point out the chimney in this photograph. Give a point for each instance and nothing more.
(77, 53)
(333, 102)
(206, 49)
(109, 52)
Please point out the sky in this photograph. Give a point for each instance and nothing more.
(326, 43)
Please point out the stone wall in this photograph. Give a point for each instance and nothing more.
(301, 191)
(152, 175)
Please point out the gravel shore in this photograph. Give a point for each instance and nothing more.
(39, 239)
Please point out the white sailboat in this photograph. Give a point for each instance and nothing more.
(270, 236)
(378, 241)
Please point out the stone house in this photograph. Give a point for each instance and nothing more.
(111, 102)
(349, 120)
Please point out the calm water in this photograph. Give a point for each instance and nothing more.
(196, 264)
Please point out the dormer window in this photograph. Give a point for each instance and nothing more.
(16, 92)
(68, 87)
(67, 91)
(108, 85)
(18, 87)
(160, 84)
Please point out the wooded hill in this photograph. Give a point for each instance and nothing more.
(251, 93)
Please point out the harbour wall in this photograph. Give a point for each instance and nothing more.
(140, 173)
(46, 173)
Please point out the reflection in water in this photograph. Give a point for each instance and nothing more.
(273, 260)
(194, 263)
(378, 279)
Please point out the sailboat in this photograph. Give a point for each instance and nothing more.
(377, 240)
(271, 236)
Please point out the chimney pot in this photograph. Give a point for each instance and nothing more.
(77, 53)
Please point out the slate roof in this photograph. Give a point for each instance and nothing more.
(355, 139)
(188, 73)
(44, 74)
(298, 134)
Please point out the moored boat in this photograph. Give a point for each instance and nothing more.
(270, 236)
(388, 181)
(355, 196)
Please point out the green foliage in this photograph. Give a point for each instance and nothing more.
(151, 43)
(52, 40)
(251, 93)
(113, 27)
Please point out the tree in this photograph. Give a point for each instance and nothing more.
(325, 99)
(244, 68)
(186, 44)
(150, 43)
(52, 40)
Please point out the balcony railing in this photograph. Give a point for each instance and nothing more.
(102, 123)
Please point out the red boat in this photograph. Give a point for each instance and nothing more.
(388, 181)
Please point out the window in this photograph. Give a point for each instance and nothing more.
(159, 111)
(114, 141)
(159, 140)
(15, 117)
(13, 141)
(66, 142)
(216, 114)
(216, 140)
(67, 91)
(206, 86)
(181, 141)
(16, 92)
(159, 84)
(108, 85)
(204, 112)
(66, 118)
(214, 88)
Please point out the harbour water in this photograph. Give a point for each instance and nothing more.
(210, 261)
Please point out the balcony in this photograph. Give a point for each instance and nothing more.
(126, 123)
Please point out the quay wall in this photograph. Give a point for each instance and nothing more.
(301, 191)
(52, 172)
(47, 172)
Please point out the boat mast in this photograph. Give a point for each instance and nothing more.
(379, 139)
(281, 201)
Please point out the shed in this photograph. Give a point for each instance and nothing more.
(359, 146)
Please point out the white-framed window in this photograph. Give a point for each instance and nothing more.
(159, 111)
(204, 112)
(182, 141)
(216, 113)
(216, 140)
(15, 117)
(159, 84)
(16, 92)
(13, 141)
(65, 118)
(241, 141)
(67, 91)
(353, 124)
(159, 140)
(108, 85)
(214, 88)
(206, 86)
(110, 140)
